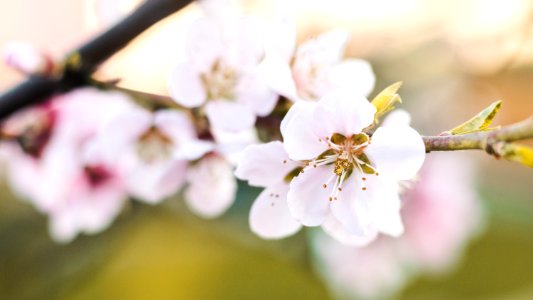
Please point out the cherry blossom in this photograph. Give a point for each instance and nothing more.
(441, 214)
(27, 59)
(221, 75)
(349, 174)
(151, 150)
(211, 185)
(55, 169)
(314, 68)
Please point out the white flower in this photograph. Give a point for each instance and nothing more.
(440, 213)
(314, 68)
(269, 166)
(212, 186)
(349, 174)
(221, 73)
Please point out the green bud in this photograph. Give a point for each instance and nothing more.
(479, 122)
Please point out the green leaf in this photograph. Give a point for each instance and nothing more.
(385, 100)
(479, 122)
(518, 153)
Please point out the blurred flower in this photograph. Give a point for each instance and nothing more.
(27, 59)
(315, 68)
(212, 187)
(221, 75)
(57, 171)
(151, 150)
(348, 174)
(441, 213)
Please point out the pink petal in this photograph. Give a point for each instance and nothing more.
(212, 187)
(186, 87)
(397, 150)
(205, 44)
(307, 198)
(229, 116)
(253, 92)
(265, 164)
(270, 217)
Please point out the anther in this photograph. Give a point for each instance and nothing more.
(324, 185)
(285, 161)
(364, 188)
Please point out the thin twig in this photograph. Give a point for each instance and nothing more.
(485, 140)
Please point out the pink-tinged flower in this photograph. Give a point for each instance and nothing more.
(371, 272)
(441, 214)
(221, 74)
(349, 174)
(27, 59)
(60, 174)
(211, 186)
(269, 166)
(151, 150)
(314, 68)
(88, 200)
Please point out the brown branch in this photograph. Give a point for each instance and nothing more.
(486, 140)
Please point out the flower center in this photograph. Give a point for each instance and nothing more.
(97, 174)
(346, 154)
(154, 145)
(220, 81)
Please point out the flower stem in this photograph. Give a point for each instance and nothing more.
(485, 140)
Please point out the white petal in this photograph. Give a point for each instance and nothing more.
(265, 164)
(340, 233)
(152, 183)
(353, 74)
(243, 43)
(122, 132)
(353, 206)
(205, 46)
(212, 187)
(186, 86)
(280, 39)
(300, 140)
(277, 74)
(270, 217)
(253, 92)
(397, 150)
(327, 48)
(229, 116)
(307, 198)
(176, 124)
(193, 149)
(343, 112)
(398, 117)
(386, 204)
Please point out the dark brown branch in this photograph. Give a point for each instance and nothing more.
(88, 57)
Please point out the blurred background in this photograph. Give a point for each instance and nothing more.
(454, 57)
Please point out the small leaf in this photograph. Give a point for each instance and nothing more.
(517, 153)
(479, 122)
(385, 100)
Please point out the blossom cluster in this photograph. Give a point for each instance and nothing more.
(79, 157)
